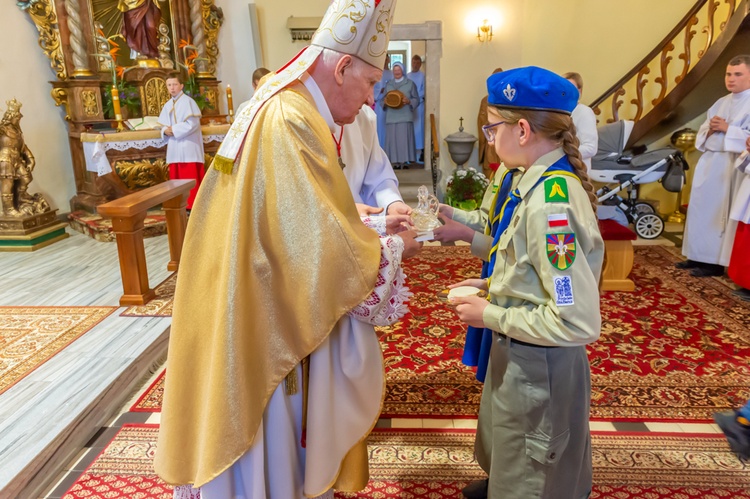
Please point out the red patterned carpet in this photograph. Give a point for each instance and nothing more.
(161, 305)
(29, 336)
(99, 228)
(422, 351)
(436, 464)
(150, 399)
(676, 349)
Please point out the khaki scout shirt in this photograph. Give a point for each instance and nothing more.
(531, 299)
(477, 219)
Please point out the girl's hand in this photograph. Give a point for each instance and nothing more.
(447, 210)
(452, 231)
(477, 283)
(470, 309)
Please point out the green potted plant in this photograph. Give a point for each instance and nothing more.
(465, 188)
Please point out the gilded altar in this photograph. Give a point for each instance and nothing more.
(110, 59)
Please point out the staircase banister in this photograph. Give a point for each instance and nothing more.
(651, 55)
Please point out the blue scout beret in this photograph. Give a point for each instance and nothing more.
(532, 88)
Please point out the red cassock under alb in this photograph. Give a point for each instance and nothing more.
(181, 171)
(739, 264)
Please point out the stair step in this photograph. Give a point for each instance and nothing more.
(416, 177)
(409, 193)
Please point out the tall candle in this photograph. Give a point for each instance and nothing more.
(116, 108)
(230, 105)
(116, 103)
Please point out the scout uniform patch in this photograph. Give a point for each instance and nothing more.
(564, 291)
(557, 220)
(561, 250)
(556, 190)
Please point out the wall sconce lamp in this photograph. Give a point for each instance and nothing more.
(484, 32)
(303, 28)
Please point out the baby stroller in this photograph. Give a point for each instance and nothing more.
(626, 170)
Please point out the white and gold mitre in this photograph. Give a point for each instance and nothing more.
(361, 28)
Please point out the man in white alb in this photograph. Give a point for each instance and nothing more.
(709, 232)
(366, 166)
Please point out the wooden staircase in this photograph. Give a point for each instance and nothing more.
(683, 76)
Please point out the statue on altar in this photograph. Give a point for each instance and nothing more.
(16, 165)
(140, 26)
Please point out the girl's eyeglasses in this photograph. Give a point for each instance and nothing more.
(489, 130)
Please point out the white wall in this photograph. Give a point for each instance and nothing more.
(236, 51)
(25, 73)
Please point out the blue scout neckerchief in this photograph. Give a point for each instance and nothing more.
(479, 340)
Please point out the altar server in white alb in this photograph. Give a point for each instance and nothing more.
(709, 232)
(366, 166)
(180, 121)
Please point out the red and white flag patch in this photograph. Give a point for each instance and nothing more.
(557, 220)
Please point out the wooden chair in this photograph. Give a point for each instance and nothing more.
(127, 214)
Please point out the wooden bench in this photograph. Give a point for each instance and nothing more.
(127, 214)
(618, 256)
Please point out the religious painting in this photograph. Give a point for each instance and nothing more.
(142, 31)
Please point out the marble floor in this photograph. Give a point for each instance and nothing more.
(48, 416)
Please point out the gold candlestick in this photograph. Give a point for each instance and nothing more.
(116, 107)
(230, 104)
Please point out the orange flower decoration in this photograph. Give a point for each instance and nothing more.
(120, 71)
(184, 43)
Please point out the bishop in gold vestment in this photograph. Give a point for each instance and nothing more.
(281, 272)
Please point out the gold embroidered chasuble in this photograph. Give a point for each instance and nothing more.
(275, 255)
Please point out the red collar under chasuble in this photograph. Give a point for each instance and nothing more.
(275, 254)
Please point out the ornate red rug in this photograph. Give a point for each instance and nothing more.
(676, 349)
(99, 228)
(161, 305)
(436, 464)
(150, 399)
(29, 336)
(422, 352)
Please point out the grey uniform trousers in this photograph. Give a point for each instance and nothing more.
(533, 436)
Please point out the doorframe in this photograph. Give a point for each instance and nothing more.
(432, 34)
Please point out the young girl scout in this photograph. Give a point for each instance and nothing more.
(543, 307)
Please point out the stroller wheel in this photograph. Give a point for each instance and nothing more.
(649, 225)
(643, 207)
